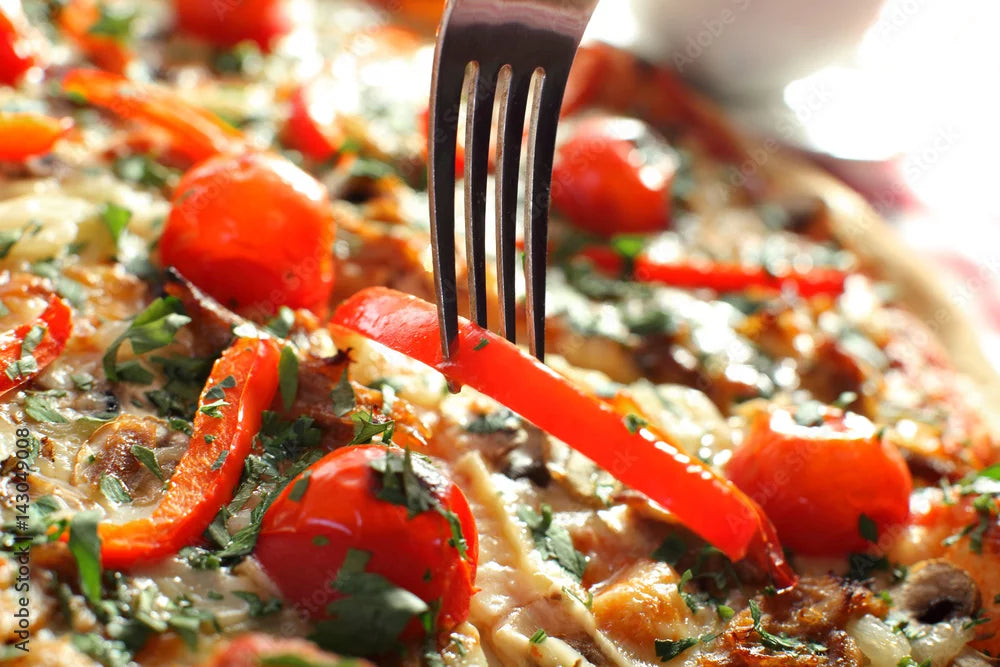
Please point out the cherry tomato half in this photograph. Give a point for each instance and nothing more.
(254, 231)
(17, 50)
(814, 482)
(614, 176)
(305, 536)
(229, 22)
(313, 128)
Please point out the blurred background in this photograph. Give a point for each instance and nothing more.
(900, 98)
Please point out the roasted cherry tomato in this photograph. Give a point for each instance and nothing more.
(229, 22)
(17, 52)
(815, 481)
(613, 176)
(313, 128)
(336, 507)
(254, 231)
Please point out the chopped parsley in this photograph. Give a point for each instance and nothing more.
(151, 329)
(985, 486)
(371, 614)
(670, 550)
(634, 422)
(147, 457)
(82, 381)
(221, 459)
(214, 409)
(10, 237)
(114, 490)
(552, 541)
(143, 169)
(116, 219)
(781, 642)
(299, 487)
(483, 342)
(367, 426)
(501, 420)
(281, 324)
(413, 483)
(867, 528)
(668, 649)
(85, 545)
(342, 396)
(689, 599)
(67, 288)
(861, 566)
(288, 376)
(539, 636)
(113, 22)
(38, 406)
(257, 606)
(26, 364)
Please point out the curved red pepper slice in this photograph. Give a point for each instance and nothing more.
(24, 134)
(196, 132)
(57, 325)
(205, 478)
(736, 277)
(718, 276)
(707, 504)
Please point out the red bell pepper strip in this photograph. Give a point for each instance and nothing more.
(718, 276)
(707, 504)
(24, 135)
(19, 364)
(204, 479)
(77, 19)
(196, 132)
(736, 277)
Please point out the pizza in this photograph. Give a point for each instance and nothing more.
(762, 435)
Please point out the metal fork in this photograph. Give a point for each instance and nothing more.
(487, 48)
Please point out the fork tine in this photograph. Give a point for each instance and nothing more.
(446, 89)
(546, 100)
(479, 89)
(513, 90)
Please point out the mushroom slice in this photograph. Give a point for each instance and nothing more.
(936, 590)
(110, 452)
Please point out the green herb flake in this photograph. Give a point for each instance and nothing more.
(320, 540)
(147, 457)
(867, 528)
(780, 642)
(552, 541)
(213, 409)
(367, 426)
(116, 219)
(634, 422)
(257, 606)
(114, 490)
(82, 381)
(151, 329)
(288, 376)
(85, 545)
(114, 22)
(670, 550)
(39, 407)
(668, 649)
(343, 396)
(538, 637)
(483, 342)
(725, 612)
(281, 324)
(371, 614)
(220, 460)
(299, 487)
